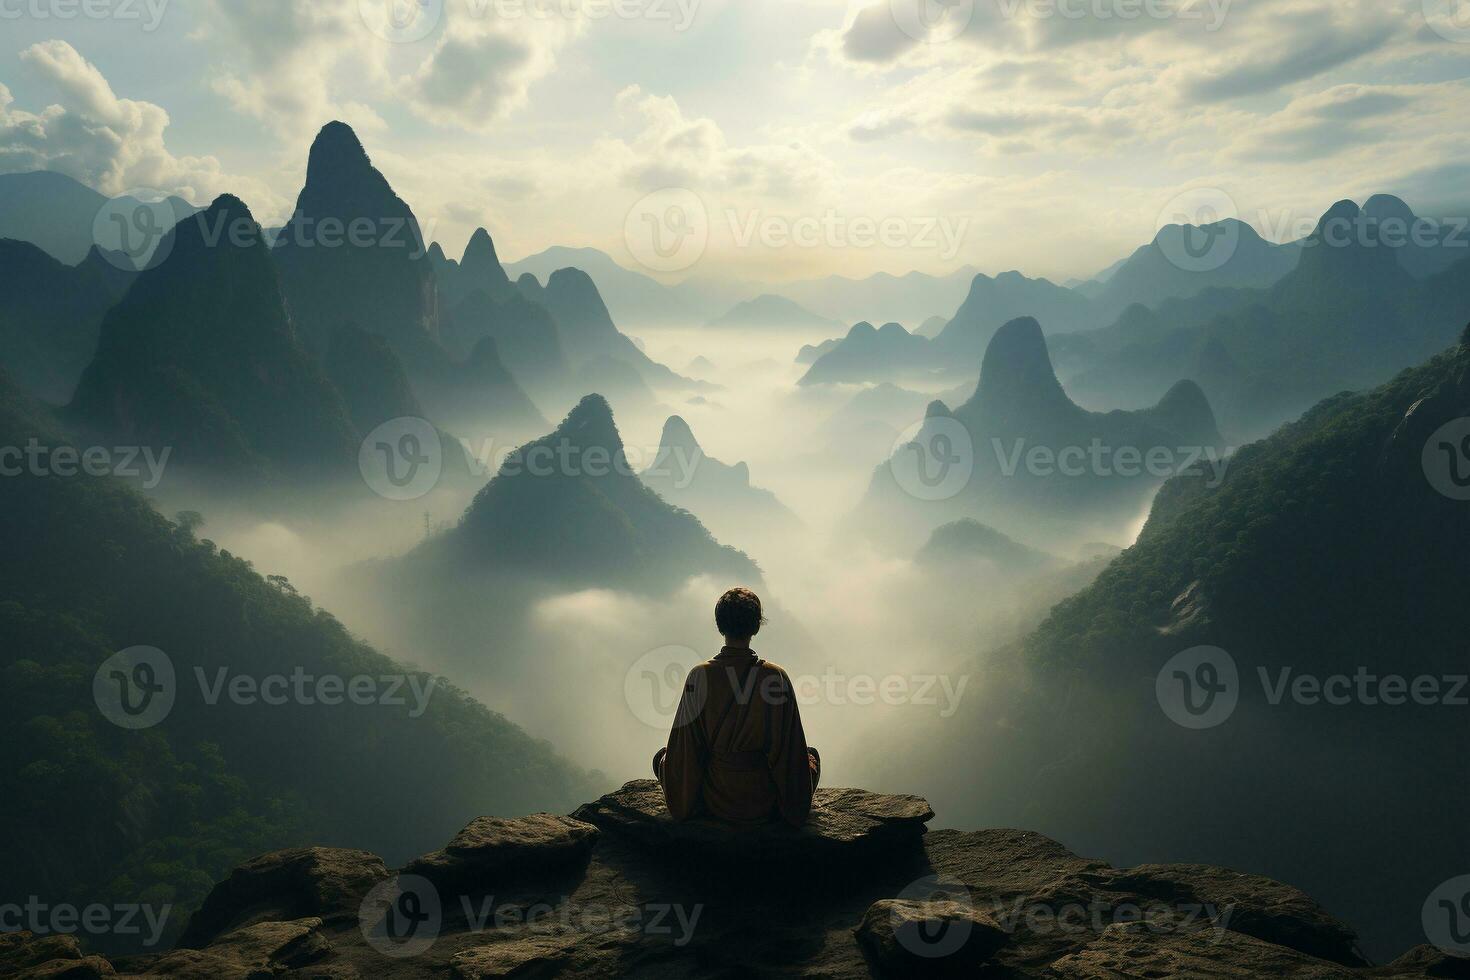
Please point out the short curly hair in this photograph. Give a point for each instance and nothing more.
(738, 613)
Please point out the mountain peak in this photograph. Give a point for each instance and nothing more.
(481, 265)
(481, 246)
(1017, 370)
(1341, 213)
(1381, 207)
(678, 435)
(335, 149)
(1184, 409)
(590, 423)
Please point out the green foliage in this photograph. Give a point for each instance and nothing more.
(98, 813)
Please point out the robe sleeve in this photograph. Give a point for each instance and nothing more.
(791, 767)
(683, 777)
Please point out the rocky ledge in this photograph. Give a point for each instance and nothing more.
(620, 889)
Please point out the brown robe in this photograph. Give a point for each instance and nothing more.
(755, 766)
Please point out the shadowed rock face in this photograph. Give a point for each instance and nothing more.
(549, 896)
(844, 824)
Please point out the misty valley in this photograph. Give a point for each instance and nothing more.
(1102, 625)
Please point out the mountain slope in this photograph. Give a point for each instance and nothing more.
(768, 312)
(1347, 317)
(1020, 452)
(587, 330)
(719, 494)
(1185, 260)
(201, 356)
(379, 276)
(1332, 549)
(65, 218)
(566, 508)
(100, 813)
(50, 314)
(991, 303)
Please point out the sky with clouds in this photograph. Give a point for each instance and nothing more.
(797, 137)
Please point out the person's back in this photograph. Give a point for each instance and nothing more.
(737, 752)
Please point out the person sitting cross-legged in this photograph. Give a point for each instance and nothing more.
(737, 752)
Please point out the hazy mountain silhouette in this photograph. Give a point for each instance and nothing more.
(50, 314)
(887, 353)
(634, 299)
(587, 330)
(1347, 316)
(768, 312)
(890, 355)
(352, 252)
(966, 541)
(881, 297)
(200, 355)
(568, 510)
(64, 217)
(992, 303)
(719, 494)
(1231, 254)
(1091, 466)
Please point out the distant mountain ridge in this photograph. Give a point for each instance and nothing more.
(1093, 464)
(201, 355)
(719, 494)
(65, 218)
(769, 312)
(567, 508)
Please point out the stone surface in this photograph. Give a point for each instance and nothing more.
(647, 901)
(908, 938)
(1249, 904)
(511, 954)
(495, 846)
(1130, 951)
(845, 824)
(260, 950)
(329, 883)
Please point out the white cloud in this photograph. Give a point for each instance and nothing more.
(112, 144)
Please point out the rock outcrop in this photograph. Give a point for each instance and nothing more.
(548, 895)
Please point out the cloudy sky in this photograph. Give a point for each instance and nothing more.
(799, 137)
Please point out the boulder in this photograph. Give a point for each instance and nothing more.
(1431, 961)
(86, 968)
(845, 825)
(1126, 951)
(325, 882)
(260, 950)
(510, 955)
(54, 957)
(1249, 904)
(943, 938)
(493, 847)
